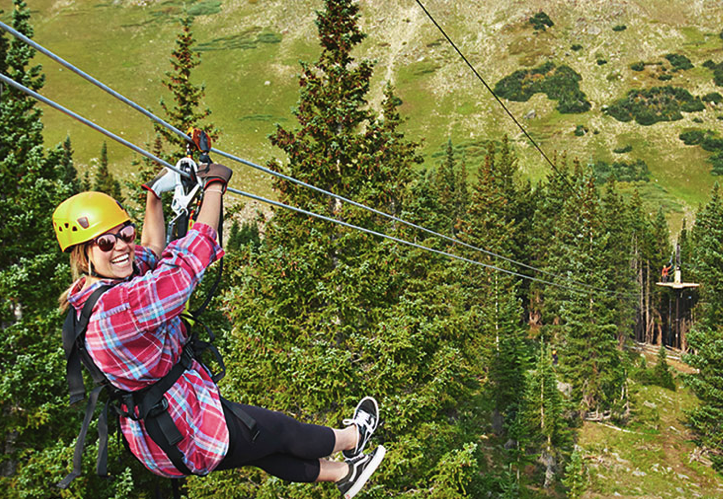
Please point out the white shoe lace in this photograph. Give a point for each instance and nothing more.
(363, 420)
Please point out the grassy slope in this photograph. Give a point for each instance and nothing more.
(126, 44)
(652, 458)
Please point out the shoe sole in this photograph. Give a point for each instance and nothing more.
(368, 472)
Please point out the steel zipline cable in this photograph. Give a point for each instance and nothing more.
(479, 77)
(85, 121)
(181, 134)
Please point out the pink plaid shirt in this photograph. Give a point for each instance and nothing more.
(135, 336)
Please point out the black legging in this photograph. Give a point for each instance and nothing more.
(284, 447)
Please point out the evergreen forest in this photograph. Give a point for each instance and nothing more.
(495, 352)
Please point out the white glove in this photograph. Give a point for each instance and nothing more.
(165, 181)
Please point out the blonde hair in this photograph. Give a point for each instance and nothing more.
(79, 266)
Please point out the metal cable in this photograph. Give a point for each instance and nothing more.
(479, 77)
(181, 134)
(147, 154)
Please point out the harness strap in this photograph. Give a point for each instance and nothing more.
(163, 430)
(72, 329)
(244, 416)
(78, 455)
(101, 466)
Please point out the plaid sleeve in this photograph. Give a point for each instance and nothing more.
(145, 259)
(160, 295)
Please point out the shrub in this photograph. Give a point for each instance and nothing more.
(717, 71)
(654, 105)
(576, 47)
(621, 171)
(692, 137)
(558, 83)
(622, 150)
(541, 21)
(709, 141)
(717, 162)
(580, 130)
(713, 97)
(665, 77)
(206, 8)
(679, 62)
(661, 373)
(600, 62)
(637, 66)
(697, 120)
(620, 27)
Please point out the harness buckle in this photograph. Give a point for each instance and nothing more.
(158, 409)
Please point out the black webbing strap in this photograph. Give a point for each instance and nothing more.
(247, 420)
(78, 455)
(72, 328)
(157, 427)
(101, 465)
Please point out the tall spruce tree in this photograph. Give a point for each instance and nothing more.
(705, 340)
(489, 224)
(620, 277)
(104, 180)
(186, 110)
(323, 314)
(589, 357)
(539, 427)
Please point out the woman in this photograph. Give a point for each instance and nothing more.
(136, 337)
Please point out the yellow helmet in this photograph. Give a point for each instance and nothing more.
(85, 216)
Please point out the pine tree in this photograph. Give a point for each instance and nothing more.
(324, 314)
(104, 179)
(539, 427)
(488, 223)
(21, 143)
(67, 172)
(502, 324)
(243, 235)
(705, 341)
(707, 258)
(662, 376)
(447, 185)
(575, 479)
(185, 111)
(547, 203)
(590, 359)
(618, 257)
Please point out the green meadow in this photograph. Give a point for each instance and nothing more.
(250, 62)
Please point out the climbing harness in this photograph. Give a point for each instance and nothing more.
(148, 404)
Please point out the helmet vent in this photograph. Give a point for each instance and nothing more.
(75, 229)
(83, 221)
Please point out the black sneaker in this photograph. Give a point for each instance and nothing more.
(366, 419)
(361, 468)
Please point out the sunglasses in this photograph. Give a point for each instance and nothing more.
(106, 242)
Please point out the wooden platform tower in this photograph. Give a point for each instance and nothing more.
(682, 296)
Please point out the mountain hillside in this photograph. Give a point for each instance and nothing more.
(251, 51)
